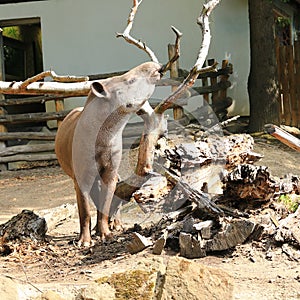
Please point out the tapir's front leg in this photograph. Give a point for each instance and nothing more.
(109, 179)
(84, 218)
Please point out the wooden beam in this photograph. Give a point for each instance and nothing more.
(283, 136)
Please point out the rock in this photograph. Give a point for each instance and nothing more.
(49, 295)
(160, 243)
(136, 284)
(190, 280)
(97, 291)
(138, 243)
(8, 289)
(190, 247)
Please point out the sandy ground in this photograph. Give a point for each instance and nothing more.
(63, 266)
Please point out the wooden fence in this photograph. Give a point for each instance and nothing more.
(288, 58)
(213, 87)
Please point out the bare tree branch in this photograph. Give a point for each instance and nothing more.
(55, 77)
(203, 22)
(126, 33)
(154, 121)
(168, 65)
(41, 88)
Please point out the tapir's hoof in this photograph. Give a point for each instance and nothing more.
(85, 244)
(116, 225)
(106, 236)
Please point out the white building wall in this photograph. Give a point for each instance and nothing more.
(79, 36)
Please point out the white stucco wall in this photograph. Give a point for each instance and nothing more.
(78, 37)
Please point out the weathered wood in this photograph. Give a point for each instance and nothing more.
(2, 110)
(247, 184)
(177, 110)
(59, 107)
(32, 117)
(30, 148)
(213, 81)
(8, 136)
(292, 84)
(48, 87)
(27, 157)
(28, 100)
(24, 225)
(190, 247)
(283, 136)
(232, 233)
(297, 76)
(286, 114)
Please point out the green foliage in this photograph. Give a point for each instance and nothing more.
(12, 32)
(290, 202)
(283, 21)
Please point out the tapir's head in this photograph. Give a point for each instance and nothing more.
(129, 91)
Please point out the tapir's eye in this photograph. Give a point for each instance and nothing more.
(132, 80)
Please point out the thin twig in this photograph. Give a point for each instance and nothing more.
(27, 280)
(168, 65)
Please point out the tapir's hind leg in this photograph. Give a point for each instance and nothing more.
(84, 217)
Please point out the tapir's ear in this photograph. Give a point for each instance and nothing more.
(98, 89)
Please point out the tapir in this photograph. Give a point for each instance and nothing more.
(88, 143)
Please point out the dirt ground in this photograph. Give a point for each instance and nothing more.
(60, 265)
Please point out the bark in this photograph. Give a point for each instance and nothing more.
(262, 83)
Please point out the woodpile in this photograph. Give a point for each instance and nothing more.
(198, 217)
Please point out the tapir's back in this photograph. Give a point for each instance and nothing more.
(64, 140)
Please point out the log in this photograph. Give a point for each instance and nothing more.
(49, 87)
(30, 148)
(248, 184)
(190, 247)
(283, 136)
(32, 117)
(28, 100)
(8, 136)
(233, 233)
(24, 225)
(27, 157)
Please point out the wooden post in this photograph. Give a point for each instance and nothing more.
(204, 84)
(224, 78)
(297, 77)
(59, 106)
(177, 110)
(213, 81)
(2, 110)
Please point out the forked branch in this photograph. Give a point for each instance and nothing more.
(203, 22)
(128, 38)
(141, 45)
